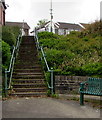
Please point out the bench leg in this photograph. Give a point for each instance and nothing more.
(81, 99)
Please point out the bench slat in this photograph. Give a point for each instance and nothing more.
(93, 86)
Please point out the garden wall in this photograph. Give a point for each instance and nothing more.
(68, 84)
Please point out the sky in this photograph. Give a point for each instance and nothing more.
(70, 11)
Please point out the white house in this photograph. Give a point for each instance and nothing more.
(66, 28)
(60, 28)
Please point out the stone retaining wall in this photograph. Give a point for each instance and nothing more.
(68, 84)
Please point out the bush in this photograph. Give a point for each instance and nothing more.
(47, 35)
(16, 31)
(9, 34)
(78, 53)
(93, 68)
(6, 54)
(49, 43)
(9, 38)
(94, 29)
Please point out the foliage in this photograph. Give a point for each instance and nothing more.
(47, 35)
(9, 34)
(93, 29)
(9, 39)
(78, 53)
(41, 22)
(6, 54)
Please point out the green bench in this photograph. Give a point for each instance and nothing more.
(93, 86)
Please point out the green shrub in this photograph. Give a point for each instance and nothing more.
(9, 38)
(49, 43)
(47, 35)
(93, 68)
(6, 54)
(16, 31)
(77, 53)
(9, 34)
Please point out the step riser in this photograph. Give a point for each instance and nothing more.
(23, 90)
(27, 67)
(26, 53)
(25, 77)
(27, 71)
(20, 82)
(27, 74)
(27, 61)
(28, 80)
(25, 64)
(29, 86)
(25, 58)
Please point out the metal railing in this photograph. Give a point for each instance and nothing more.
(9, 71)
(46, 63)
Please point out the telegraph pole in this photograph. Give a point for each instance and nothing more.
(51, 29)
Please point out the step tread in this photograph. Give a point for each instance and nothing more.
(25, 69)
(30, 79)
(29, 84)
(28, 93)
(36, 73)
(30, 88)
(30, 75)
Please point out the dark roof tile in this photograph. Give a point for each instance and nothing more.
(69, 26)
(20, 24)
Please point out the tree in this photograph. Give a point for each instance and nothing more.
(41, 22)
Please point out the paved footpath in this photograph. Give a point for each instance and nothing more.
(46, 108)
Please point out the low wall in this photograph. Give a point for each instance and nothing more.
(68, 84)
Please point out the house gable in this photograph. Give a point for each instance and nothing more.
(22, 25)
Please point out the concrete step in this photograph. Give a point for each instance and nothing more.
(29, 58)
(27, 66)
(15, 81)
(27, 54)
(27, 43)
(28, 47)
(28, 70)
(43, 89)
(31, 94)
(30, 85)
(27, 77)
(26, 63)
(27, 74)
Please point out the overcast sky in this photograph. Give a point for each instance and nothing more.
(71, 11)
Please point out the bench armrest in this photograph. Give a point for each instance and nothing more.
(82, 86)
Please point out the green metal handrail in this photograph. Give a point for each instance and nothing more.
(46, 63)
(11, 66)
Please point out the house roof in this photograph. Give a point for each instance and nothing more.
(63, 25)
(19, 24)
(84, 24)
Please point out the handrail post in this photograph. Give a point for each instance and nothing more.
(6, 82)
(52, 82)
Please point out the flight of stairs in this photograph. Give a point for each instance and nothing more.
(28, 79)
